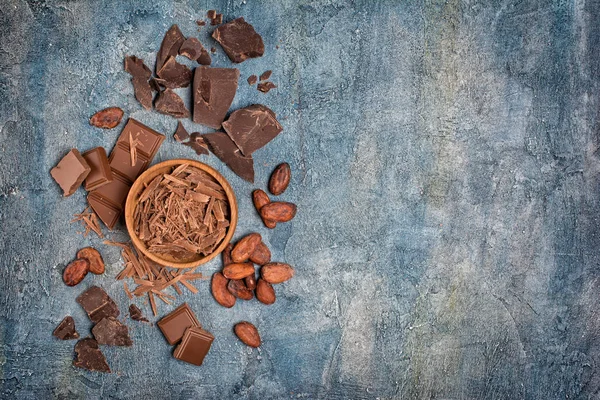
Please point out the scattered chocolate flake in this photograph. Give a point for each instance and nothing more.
(169, 103)
(181, 134)
(213, 50)
(239, 40)
(200, 22)
(213, 92)
(225, 149)
(89, 219)
(265, 87)
(217, 20)
(66, 329)
(140, 74)
(197, 143)
(193, 49)
(252, 79)
(88, 356)
(174, 75)
(169, 47)
(252, 127)
(97, 304)
(211, 14)
(265, 75)
(134, 142)
(70, 172)
(111, 332)
(136, 314)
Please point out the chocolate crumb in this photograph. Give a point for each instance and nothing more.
(265, 87)
(217, 20)
(265, 75)
(181, 134)
(66, 329)
(136, 314)
(213, 50)
(252, 79)
(200, 22)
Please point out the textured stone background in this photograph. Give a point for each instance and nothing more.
(446, 168)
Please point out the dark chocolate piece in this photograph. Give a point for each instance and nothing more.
(174, 75)
(252, 127)
(100, 173)
(136, 314)
(169, 46)
(111, 332)
(155, 85)
(169, 103)
(193, 49)
(194, 346)
(197, 143)
(217, 20)
(239, 40)
(265, 75)
(213, 91)
(108, 201)
(265, 87)
(66, 329)
(225, 149)
(140, 74)
(88, 356)
(200, 22)
(181, 134)
(252, 79)
(97, 304)
(213, 50)
(70, 172)
(211, 14)
(173, 325)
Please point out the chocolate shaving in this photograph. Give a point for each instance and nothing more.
(170, 103)
(90, 221)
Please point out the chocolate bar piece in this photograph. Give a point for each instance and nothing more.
(223, 147)
(111, 332)
(213, 91)
(66, 329)
(173, 326)
(194, 346)
(140, 74)
(88, 356)
(70, 172)
(193, 49)
(252, 127)
(97, 304)
(136, 314)
(100, 173)
(170, 46)
(174, 75)
(239, 40)
(169, 103)
(108, 201)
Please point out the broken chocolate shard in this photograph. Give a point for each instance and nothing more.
(100, 173)
(197, 143)
(252, 127)
(155, 84)
(252, 79)
(265, 87)
(111, 332)
(97, 304)
(174, 75)
(225, 149)
(200, 22)
(194, 346)
(265, 75)
(213, 90)
(140, 74)
(66, 329)
(88, 356)
(170, 46)
(193, 49)
(136, 67)
(70, 172)
(217, 20)
(136, 314)
(169, 103)
(239, 40)
(181, 134)
(211, 14)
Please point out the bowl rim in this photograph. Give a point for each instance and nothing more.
(151, 172)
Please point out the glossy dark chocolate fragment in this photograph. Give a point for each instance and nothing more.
(214, 90)
(181, 134)
(97, 304)
(88, 356)
(140, 74)
(239, 40)
(66, 329)
(170, 46)
(197, 143)
(252, 127)
(193, 49)
(136, 314)
(252, 79)
(225, 149)
(174, 75)
(266, 87)
(111, 332)
(169, 103)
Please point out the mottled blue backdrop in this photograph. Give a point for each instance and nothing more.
(445, 165)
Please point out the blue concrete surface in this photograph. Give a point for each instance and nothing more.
(446, 169)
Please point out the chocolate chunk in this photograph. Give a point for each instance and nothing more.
(88, 356)
(97, 304)
(70, 172)
(66, 329)
(169, 103)
(213, 91)
(252, 127)
(200, 22)
(169, 47)
(193, 49)
(252, 79)
(217, 20)
(197, 143)
(136, 314)
(155, 84)
(181, 134)
(223, 147)
(211, 14)
(265, 87)
(239, 40)
(265, 75)
(173, 325)
(111, 332)
(174, 75)
(194, 346)
(100, 173)
(140, 74)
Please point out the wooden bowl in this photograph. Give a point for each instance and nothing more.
(164, 167)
